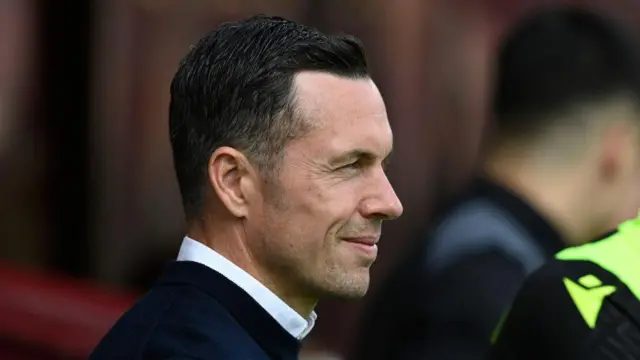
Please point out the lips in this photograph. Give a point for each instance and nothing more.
(364, 240)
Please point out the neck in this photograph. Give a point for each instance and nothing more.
(556, 194)
(229, 241)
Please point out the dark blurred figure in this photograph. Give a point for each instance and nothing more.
(279, 140)
(585, 304)
(563, 168)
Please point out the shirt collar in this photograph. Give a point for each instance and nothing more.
(533, 221)
(289, 319)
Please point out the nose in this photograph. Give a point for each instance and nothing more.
(383, 203)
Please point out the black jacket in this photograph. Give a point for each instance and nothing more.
(197, 314)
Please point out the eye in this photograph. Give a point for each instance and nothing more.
(356, 165)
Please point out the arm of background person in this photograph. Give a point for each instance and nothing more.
(544, 321)
(467, 299)
(518, 335)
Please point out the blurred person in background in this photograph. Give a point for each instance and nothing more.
(563, 161)
(585, 303)
(279, 140)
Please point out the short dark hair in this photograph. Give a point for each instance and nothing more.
(558, 58)
(235, 88)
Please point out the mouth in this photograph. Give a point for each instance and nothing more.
(363, 240)
(365, 245)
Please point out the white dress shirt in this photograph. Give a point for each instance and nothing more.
(289, 319)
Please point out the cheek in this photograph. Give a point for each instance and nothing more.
(294, 219)
(324, 203)
(313, 211)
(337, 208)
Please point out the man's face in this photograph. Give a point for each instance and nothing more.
(321, 218)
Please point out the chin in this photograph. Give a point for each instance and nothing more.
(351, 287)
(355, 294)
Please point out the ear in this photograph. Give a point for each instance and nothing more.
(233, 180)
(618, 151)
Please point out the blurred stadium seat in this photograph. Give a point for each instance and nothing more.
(47, 317)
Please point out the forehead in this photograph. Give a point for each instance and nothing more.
(345, 113)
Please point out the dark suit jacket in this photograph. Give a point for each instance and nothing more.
(195, 313)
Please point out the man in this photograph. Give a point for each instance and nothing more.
(279, 139)
(562, 169)
(583, 305)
